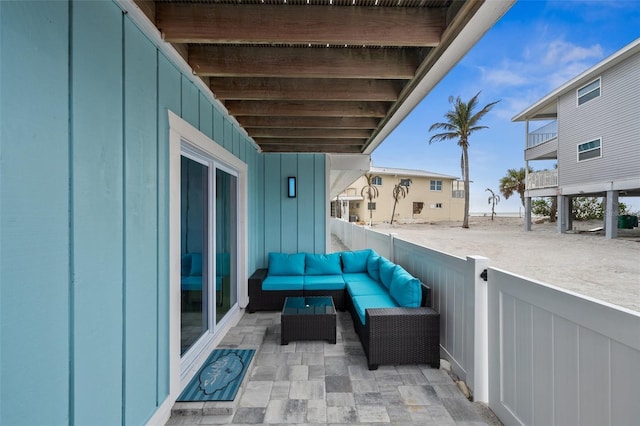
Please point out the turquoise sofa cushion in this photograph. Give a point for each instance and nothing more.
(196, 264)
(185, 264)
(191, 283)
(405, 288)
(357, 277)
(286, 264)
(386, 271)
(373, 265)
(323, 282)
(362, 303)
(323, 264)
(364, 288)
(281, 282)
(355, 261)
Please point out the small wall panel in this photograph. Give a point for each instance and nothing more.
(206, 116)
(97, 212)
(190, 103)
(169, 81)
(34, 213)
(289, 206)
(141, 228)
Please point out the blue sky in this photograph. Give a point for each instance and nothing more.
(535, 47)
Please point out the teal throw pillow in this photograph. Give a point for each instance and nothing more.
(323, 264)
(355, 261)
(286, 264)
(405, 288)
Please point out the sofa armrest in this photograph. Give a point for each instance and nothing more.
(402, 336)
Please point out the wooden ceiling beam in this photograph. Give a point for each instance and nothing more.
(274, 132)
(333, 89)
(309, 141)
(290, 24)
(307, 109)
(310, 122)
(307, 62)
(336, 149)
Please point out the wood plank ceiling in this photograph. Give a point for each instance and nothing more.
(311, 75)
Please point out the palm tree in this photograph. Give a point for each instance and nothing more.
(399, 192)
(514, 181)
(462, 120)
(370, 192)
(493, 200)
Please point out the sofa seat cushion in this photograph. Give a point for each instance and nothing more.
(282, 282)
(405, 288)
(357, 277)
(286, 264)
(365, 288)
(323, 282)
(191, 283)
(362, 303)
(355, 261)
(323, 264)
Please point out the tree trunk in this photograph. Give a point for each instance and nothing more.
(465, 161)
(393, 213)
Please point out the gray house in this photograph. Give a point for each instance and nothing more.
(592, 130)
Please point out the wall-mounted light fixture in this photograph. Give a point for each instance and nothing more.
(291, 187)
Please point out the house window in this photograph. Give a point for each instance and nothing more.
(457, 189)
(436, 206)
(588, 92)
(371, 206)
(417, 207)
(435, 185)
(376, 180)
(405, 182)
(591, 149)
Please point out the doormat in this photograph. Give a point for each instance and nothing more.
(220, 377)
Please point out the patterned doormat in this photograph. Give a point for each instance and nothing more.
(220, 377)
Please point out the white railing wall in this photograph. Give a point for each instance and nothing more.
(558, 358)
(452, 280)
(539, 355)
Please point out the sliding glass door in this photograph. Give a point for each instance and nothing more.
(209, 235)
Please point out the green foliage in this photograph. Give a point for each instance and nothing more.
(513, 182)
(541, 207)
(584, 208)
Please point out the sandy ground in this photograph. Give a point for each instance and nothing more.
(587, 263)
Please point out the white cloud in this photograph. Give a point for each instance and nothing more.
(560, 53)
(502, 77)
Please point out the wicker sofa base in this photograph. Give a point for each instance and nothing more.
(260, 300)
(392, 336)
(389, 336)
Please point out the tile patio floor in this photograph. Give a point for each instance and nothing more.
(323, 383)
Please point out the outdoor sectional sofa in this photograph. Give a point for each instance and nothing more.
(388, 305)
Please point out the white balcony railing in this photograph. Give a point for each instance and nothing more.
(542, 179)
(543, 134)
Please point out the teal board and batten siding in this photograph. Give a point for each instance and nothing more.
(294, 224)
(34, 213)
(84, 211)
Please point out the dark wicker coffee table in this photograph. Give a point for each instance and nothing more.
(308, 318)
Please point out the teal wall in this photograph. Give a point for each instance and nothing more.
(84, 207)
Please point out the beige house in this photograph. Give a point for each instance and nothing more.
(430, 197)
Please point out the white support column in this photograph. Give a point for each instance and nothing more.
(611, 215)
(392, 255)
(564, 213)
(480, 384)
(527, 214)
